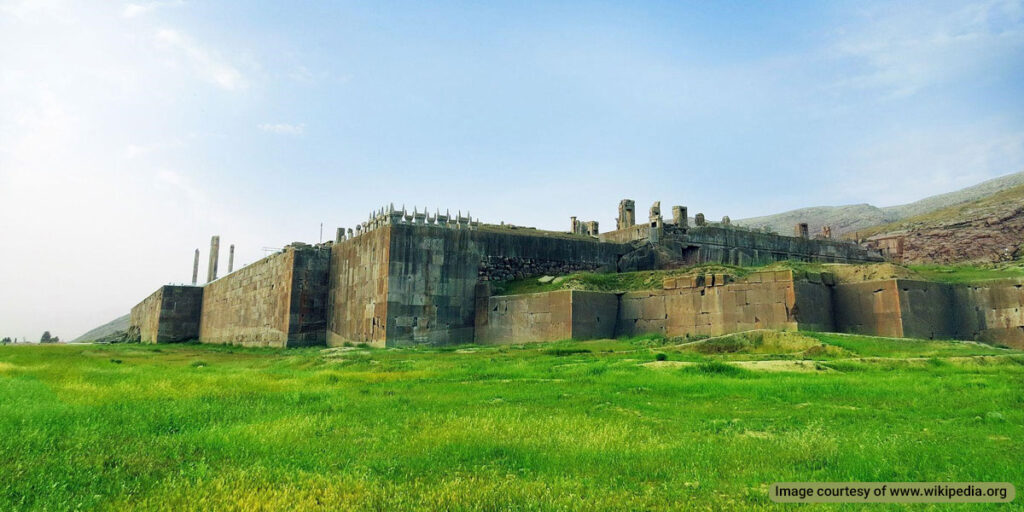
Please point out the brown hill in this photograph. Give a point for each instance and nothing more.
(990, 229)
(850, 218)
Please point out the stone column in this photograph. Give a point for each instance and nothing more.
(679, 216)
(195, 269)
(231, 258)
(211, 271)
(339, 235)
(698, 220)
(627, 214)
(656, 222)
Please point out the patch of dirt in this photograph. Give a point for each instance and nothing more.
(667, 364)
(782, 366)
(8, 367)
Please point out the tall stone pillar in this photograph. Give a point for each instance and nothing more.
(627, 214)
(231, 258)
(195, 269)
(339, 236)
(656, 222)
(211, 271)
(679, 217)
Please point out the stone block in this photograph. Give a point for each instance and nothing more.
(653, 308)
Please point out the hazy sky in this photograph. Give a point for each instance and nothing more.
(132, 132)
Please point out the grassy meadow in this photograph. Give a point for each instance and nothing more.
(629, 424)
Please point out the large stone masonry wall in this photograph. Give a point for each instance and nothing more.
(307, 310)
(739, 246)
(146, 316)
(357, 298)
(558, 315)
(928, 310)
(714, 304)
(433, 272)
(744, 247)
(871, 308)
(169, 314)
(278, 301)
(993, 312)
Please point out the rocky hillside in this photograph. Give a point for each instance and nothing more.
(985, 230)
(850, 218)
(117, 324)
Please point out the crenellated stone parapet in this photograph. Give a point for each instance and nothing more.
(389, 215)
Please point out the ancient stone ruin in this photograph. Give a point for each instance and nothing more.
(409, 277)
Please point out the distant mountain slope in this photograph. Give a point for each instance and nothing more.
(990, 229)
(117, 324)
(850, 218)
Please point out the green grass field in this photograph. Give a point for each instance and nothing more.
(610, 424)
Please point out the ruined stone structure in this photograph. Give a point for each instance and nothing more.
(627, 214)
(211, 271)
(195, 269)
(406, 277)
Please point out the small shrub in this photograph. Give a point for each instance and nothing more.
(715, 367)
(660, 357)
(198, 364)
(562, 352)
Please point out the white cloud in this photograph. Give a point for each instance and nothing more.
(902, 49)
(205, 63)
(926, 163)
(283, 128)
(132, 10)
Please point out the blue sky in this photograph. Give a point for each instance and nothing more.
(131, 132)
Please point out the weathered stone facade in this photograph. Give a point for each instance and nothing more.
(561, 315)
(715, 304)
(357, 299)
(169, 315)
(278, 301)
(405, 278)
(433, 273)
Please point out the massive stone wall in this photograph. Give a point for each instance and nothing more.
(307, 308)
(357, 302)
(146, 316)
(739, 246)
(558, 315)
(277, 301)
(871, 308)
(899, 308)
(993, 312)
(714, 304)
(928, 310)
(434, 271)
(711, 304)
(169, 314)
(744, 247)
